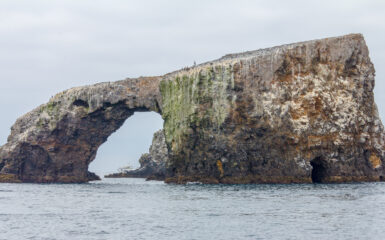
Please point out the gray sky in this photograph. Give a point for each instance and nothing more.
(49, 46)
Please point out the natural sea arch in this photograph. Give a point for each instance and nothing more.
(296, 113)
(125, 146)
(57, 141)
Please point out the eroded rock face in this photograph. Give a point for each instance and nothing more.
(296, 113)
(152, 164)
(56, 141)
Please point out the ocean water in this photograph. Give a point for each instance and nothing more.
(139, 209)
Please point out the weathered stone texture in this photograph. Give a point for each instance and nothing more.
(56, 141)
(301, 112)
(273, 115)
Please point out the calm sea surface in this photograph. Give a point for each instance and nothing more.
(136, 209)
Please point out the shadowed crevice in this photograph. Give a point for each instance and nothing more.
(318, 173)
(80, 103)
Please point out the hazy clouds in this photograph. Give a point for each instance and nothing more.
(48, 46)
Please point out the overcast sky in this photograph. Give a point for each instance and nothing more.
(49, 46)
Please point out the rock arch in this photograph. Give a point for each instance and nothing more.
(56, 141)
(262, 116)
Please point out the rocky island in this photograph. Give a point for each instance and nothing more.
(297, 113)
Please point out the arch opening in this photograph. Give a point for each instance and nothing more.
(319, 171)
(125, 146)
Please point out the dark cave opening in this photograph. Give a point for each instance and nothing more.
(318, 172)
(80, 103)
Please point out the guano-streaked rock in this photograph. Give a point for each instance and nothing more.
(296, 113)
(56, 141)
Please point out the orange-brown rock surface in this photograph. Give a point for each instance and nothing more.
(302, 112)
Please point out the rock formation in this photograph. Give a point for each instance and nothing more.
(296, 113)
(152, 164)
(56, 141)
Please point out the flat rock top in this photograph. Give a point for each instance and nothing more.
(269, 51)
(343, 42)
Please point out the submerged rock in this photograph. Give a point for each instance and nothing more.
(152, 164)
(296, 113)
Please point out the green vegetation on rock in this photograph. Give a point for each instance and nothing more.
(198, 98)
